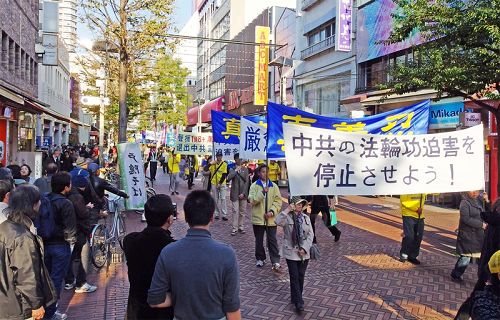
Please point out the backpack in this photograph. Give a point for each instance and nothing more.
(45, 223)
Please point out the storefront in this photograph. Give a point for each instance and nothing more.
(202, 114)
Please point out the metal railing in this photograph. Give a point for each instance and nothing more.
(318, 47)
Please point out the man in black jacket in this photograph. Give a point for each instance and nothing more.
(59, 245)
(100, 185)
(142, 250)
(81, 253)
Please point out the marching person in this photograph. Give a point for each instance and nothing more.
(174, 170)
(238, 195)
(412, 206)
(192, 168)
(274, 171)
(205, 174)
(486, 303)
(298, 237)
(470, 232)
(265, 198)
(153, 163)
(218, 174)
(323, 204)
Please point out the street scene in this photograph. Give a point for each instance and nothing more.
(249, 159)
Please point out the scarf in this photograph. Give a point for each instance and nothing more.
(298, 229)
(269, 183)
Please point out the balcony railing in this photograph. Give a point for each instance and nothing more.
(306, 4)
(318, 47)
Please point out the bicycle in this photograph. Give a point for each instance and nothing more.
(102, 240)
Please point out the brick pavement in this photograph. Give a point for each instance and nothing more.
(356, 278)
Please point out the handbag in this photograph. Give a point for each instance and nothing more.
(331, 219)
(314, 252)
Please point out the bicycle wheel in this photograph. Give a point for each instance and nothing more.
(98, 247)
(121, 231)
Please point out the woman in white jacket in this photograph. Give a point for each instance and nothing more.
(297, 241)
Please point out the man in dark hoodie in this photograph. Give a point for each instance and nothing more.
(142, 249)
(81, 253)
(59, 245)
(491, 242)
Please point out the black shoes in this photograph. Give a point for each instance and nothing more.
(337, 236)
(299, 307)
(414, 261)
(224, 218)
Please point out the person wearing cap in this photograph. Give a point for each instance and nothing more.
(218, 175)
(265, 198)
(486, 303)
(298, 237)
(81, 252)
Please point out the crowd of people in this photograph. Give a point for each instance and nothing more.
(45, 225)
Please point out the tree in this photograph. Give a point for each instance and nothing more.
(460, 54)
(133, 29)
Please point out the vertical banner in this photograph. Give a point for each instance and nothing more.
(253, 140)
(226, 133)
(325, 161)
(261, 76)
(343, 26)
(132, 175)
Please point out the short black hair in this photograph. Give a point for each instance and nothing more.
(5, 187)
(262, 166)
(158, 209)
(199, 208)
(29, 168)
(51, 168)
(16, 171)
(60, 181)
(236, 156)
(21, 203)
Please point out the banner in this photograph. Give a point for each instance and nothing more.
(132, 175)
(226, 132)
(194, 143)
(327, 162)
(261, 76)
(253, 140)
(408, 120)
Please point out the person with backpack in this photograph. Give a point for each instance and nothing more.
(58, 231)
(218, 174)
(81, 252)
(26, 288)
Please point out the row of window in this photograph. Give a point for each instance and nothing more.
(320, 34)
(217, 88)
(16, 61)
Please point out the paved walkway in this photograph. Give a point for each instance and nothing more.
(356, 278)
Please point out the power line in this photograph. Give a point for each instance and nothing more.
(179, 36)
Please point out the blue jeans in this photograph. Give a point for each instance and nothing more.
(57, 258)
(413, 230)
(460, 267)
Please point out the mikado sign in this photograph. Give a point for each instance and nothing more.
(345, 163)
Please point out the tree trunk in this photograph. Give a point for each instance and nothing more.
(123, 83)
(497, 117)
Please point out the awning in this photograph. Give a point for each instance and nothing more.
(206, 116)
(57, 115)
(400, 98)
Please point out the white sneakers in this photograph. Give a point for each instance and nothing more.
(86, 288)
(260, 263)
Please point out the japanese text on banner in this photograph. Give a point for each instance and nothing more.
(132, 175)
(364, 164)
(190, 143)
(253, 140)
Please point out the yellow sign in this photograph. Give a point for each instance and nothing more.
(261, 77)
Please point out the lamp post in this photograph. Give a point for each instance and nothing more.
(281, 62)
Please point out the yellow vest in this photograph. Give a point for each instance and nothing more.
(216, 176)
(410, 203)
(274, 171)
(173, 163)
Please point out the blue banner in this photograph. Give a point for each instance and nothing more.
(226, 126)
(408, 120)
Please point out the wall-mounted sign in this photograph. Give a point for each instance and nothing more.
(7, 112)
(261, 76)
(470, 119)
(50, 44)
(344, 25)
(445, 115)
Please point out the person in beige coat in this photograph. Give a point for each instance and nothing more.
(297, 241)
(265, 198)
(240, 182)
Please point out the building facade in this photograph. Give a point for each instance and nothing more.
(326, 75)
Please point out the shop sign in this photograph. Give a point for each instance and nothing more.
(7, 112)
(238, 97)
(344, 25)
(261, 77)
(2, 150)
(470, 119)
(50, 44)
(445, 115)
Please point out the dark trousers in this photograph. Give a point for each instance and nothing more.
(190, 180)
(326, 212)
(413, 230)
(460, 266)
(57, 257)
(297, 271)
(153, 166)
(80, 255)
(272, 243)
(164, 166)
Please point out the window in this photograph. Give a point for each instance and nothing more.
(5, 50)
(11, 55)
(321, 33)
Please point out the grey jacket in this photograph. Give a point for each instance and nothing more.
(288, 250)
(25, 283)
(240, 183)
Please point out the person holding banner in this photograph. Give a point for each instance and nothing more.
(265, 198)
(274, 171)
(218, 174)
(173, 168)
(240, 181)
(412, 206)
